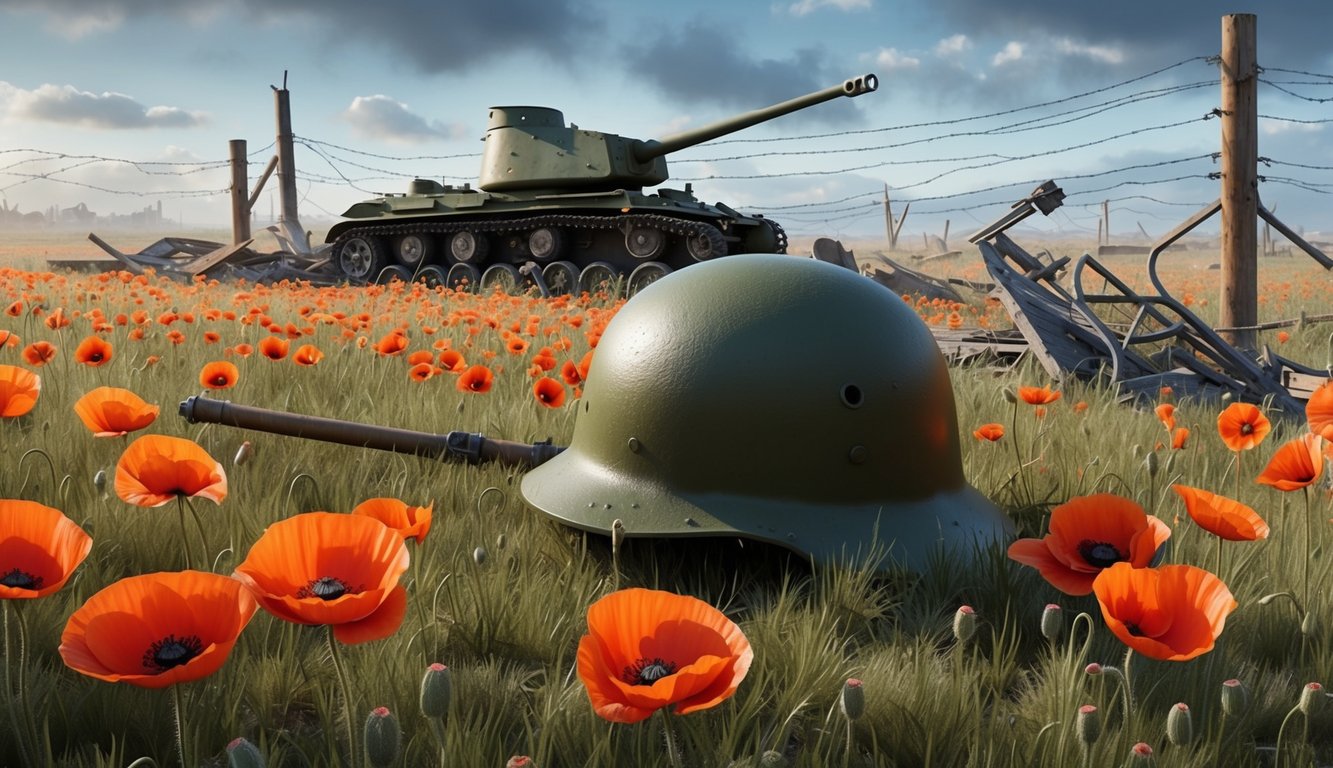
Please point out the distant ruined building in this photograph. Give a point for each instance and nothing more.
(78, 217)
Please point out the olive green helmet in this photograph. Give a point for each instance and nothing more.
(773, 398)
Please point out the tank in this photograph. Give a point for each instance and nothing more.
(560, 207)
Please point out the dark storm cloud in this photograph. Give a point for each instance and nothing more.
(427, 35)
(701, 64)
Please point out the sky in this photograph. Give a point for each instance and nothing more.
(122, 104)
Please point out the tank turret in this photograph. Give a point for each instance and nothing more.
(566, 204)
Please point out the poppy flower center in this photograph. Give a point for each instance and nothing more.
(172, 651)
(648, 671)
(1099, 553)
(95, 357)
(325, 588)
(1134, 630)
(219, 379)
(21, 580)
(1247, 428)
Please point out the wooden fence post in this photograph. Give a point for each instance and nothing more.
(1240, 193)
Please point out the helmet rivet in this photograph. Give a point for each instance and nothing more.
(858, 454)
(606, 506)
(591, 505)
(691, 522)
(634, 445)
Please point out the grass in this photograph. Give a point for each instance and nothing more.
(508, 627)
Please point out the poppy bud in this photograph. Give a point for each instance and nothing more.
(437, 688)
(1179, 725)
(383, 738)
(1010, 396)
(853, 700)
(772, 759)
(242, 754)
(479, 556)
(1088, 724)
(1140, 754)
(1310, 625)
(1052, 622)
(500, 541)
(964, 623)
(99, 481)
(1093, 670)
(1235, 698)
(1312, 696)
(617, 535)
(243, 453)
(1135, 450)
(520, 761)
(1150, 463)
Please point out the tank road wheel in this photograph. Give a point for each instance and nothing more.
(600, 277)
(502, 276)
(361, 257)
(645, 242)
(431, 276)
(561, 277)
(645, 275)
(463, 277)
(705, 242)
(546, 243)
(468, 247)
(393, 272)
(412, 250)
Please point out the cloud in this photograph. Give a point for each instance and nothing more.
(1012, 51)
(1102, 53)
(707, 67)
(892, 59)
(1276, 127)
(67, 105)
(382, 118)
(952, 46)
(810, 6)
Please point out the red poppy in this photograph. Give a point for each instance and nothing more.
(324, 568)
(549, 392)
(112, 412)
(1172, 613)
(19, 388)
(219, 374)
(991, 432)
(156, 469)
(39, 549)
(39, 353)
(243, 349)
(157, 629)
(1166, 413)
(516, 345)
(1038, 395)
(478, 378)
(570, 373)
(93, 351)
(1295, 465)
(421, 372)
(1242, 426)
(307, 355)
(9, 339)
(1179, 436)
(212, 337)
(1088, 534)
(1223, 517)
(421, 356)
(411, 522)
(647, 649)
(273, 347)
(391, 343)
(1319, 411)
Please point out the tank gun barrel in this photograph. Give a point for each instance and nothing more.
(645, 151)
(471, 447)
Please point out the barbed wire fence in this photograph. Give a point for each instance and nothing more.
(856, 170)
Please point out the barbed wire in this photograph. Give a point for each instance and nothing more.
(1289, 92)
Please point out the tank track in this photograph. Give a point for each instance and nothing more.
(669, 224)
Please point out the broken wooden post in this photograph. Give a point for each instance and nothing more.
(1106, 220)
(1240, 193)
(888, 221)
(289, 223)
(240, 193)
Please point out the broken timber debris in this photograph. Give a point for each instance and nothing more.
(184, 258)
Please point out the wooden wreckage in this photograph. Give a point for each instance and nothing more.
(1080, 320)
(185, 258)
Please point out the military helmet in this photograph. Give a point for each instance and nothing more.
(773, 398)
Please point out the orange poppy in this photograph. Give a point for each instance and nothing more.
(516, 346)
(991, 432)
(157, 629)
(392, 343)
(19, 388)
(1242, 426)
(156, 469)
(9, 339)
(570, 373)
(1087, 535)
(93, 351)
(212, 337)
(647, 649)
(112, 412)
(1223, 517)
(452, 361)
(1179, 436)
(243, 349)
(478, 378)
(549, 392)
(421, 356)
(421, 372)
(39, 549)
(411, 522)
(1166, 413)
(325, 568)
(1319, 411)
(307, 354)
(273, 347)
(1295, 465)
(39, 353)
(1172, 613)
(219, 374)
(1038, 395)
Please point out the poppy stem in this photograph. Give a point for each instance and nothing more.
(180, 724)
(338, 668)
(21, 731)
(51, 467)
(669, 737)
(199, 526)
(185, 534)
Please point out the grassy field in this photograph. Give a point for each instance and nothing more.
(499, 593)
